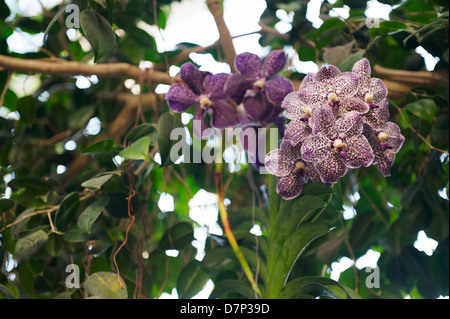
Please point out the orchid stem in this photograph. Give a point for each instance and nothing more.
(228, 232)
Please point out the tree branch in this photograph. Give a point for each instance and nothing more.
(225, 38)
(55, 66)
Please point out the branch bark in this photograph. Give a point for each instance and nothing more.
(225, 38)
(56, 66)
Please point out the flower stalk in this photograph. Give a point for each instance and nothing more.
(228, 232)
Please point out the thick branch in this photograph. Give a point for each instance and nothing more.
(55, 66)
(225, 38)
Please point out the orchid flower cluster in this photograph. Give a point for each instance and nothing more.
(251, 97)
(337, 121)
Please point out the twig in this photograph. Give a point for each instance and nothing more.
(415, 131)
(44, 211)
(5, 89)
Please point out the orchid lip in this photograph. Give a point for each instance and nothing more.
(205, 102)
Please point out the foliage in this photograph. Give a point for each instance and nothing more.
(102, 213)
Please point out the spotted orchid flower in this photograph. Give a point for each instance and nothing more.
(385, 143)
(257, 86)
(336, 145)
(206, 91)
(330, 86)
(371, 90)
(290, 169)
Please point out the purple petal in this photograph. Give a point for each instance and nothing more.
(294, 107)
(198, 124)
(180, 97)
(359, 153)
(312, 173)
(327, 73)
(394, 140)
(277, 88)
(349, 125)
(256, 105)
(346, 84)
(223, 115)
(248, 64)
(383, 160)
(331, 168)
(278, 164)
(297, 130)
(348, 104)
(290, 186)
(274, 63)
(280, 123)
(253, 140)
(324, 121)
(214, 86)
(311, 95)
(363, 69)
(377, 89)
(193, 77)
(236, 86)
(377, 115)
(316, 147)
(309, 79)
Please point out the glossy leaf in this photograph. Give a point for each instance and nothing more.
(232, 286)
(28, 245)
(312, 285)
(91, 213)
(167, 123)
(423, 108)
(291, 250)
(98, 32)
(192, 279)
(138, 150)
(6, 204)
(67, 210)
(105, 285)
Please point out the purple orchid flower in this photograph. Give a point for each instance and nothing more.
(385, 143)
(257, 86)
(371, 90)
(336, 145)
(330, 86)
(291, 170)
(206, 91)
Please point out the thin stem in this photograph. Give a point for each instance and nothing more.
(228, 232)
(415, 131)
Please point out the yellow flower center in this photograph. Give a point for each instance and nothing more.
(338, 144)
(382, 136)
(368, 98)
(259, 83)
(299, 166)
(205, 102)
(307, 111)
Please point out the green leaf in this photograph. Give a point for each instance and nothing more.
(140, 131)
(347, 63)
(191, 280)
(232, 286)
(291, 250)
(393, 25)
(177, 237)
(107, 145)
(138, 150)
(312, 285)
(28, 245)
(166, 124)
(6, 293)
(101, 2)
(91, 213)
(99, 180)
(26, 106)
(67, 210)
(424, 108)
(98, 32)
(105, 285)
(6, 204)
(75, 235)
